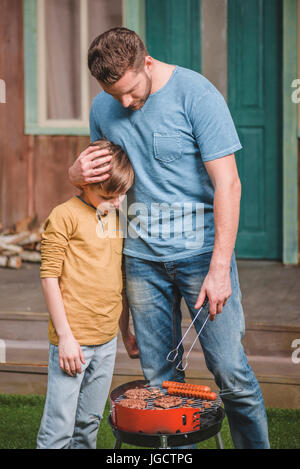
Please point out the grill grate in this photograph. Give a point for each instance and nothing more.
(196, 404)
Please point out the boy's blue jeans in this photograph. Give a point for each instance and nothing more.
(74, 405)
(154, 291)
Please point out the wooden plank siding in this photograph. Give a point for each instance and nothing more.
(33, 169)
(13, 143)
(53, 155)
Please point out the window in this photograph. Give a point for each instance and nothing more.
(59, 88)
(65, 30)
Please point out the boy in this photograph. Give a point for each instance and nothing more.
(82, 282)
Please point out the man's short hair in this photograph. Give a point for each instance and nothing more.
(114, 52)
(121, 172)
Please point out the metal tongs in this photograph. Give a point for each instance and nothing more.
(172, 360)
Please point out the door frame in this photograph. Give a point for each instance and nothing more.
(290, 194)
(135, 14)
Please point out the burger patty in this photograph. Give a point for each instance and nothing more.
(133, 403)
(167, 402)
(156, 392)
(137, 393)
(156, 395)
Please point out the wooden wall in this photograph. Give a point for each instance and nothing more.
(13, 144)
(33, 169)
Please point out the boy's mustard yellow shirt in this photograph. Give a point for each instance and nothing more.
(87, 258)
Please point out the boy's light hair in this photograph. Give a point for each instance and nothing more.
(121, 172)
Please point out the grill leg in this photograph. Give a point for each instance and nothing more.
(219, 441)
(118, 444)
(164, 442)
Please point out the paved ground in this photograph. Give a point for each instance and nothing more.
(20, 290)
(271, 291)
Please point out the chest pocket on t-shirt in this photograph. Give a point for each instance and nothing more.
(167, 146)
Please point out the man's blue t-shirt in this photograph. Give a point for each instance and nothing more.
(181, 126)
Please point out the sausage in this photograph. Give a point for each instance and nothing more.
(209, 396)
(194, 387)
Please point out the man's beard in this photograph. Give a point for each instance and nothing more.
(142, 101)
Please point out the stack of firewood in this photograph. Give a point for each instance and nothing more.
(22, 242)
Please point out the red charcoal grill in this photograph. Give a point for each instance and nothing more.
(163, 428)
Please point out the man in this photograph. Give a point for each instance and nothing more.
(183, 213)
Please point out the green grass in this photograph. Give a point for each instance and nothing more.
(20, 419)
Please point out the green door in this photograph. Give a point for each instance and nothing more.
(173, 32)
(254, 96)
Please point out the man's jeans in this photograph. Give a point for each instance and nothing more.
(154, 292)
(74, 405)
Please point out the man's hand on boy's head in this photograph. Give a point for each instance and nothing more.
(86, 169)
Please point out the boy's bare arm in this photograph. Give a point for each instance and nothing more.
(70, 353)
(129, 339)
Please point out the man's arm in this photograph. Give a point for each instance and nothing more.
(129, 339)
(217, 286)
